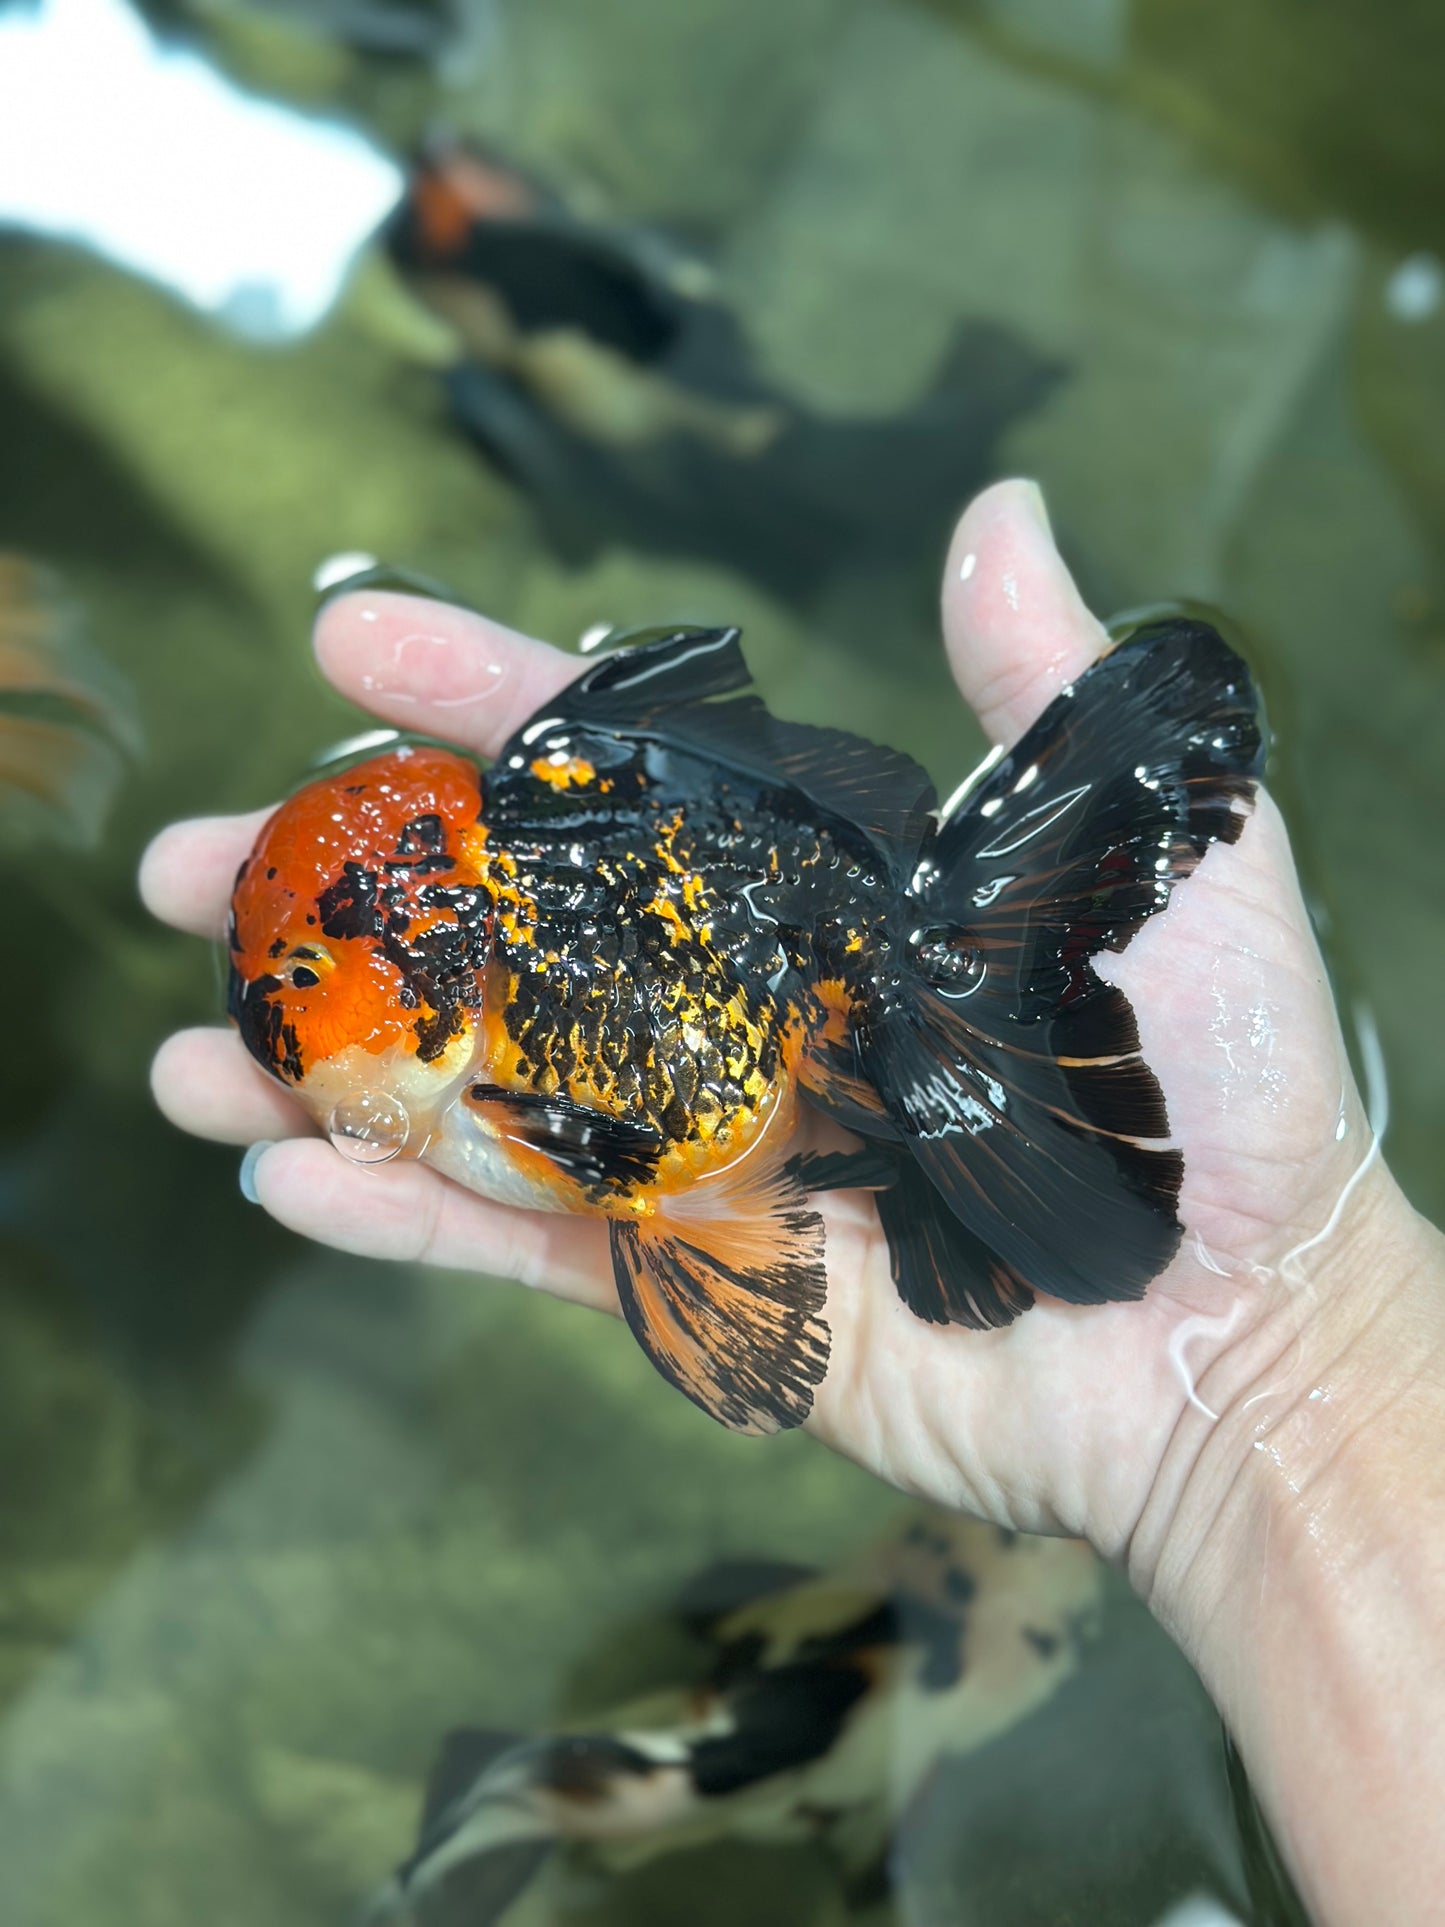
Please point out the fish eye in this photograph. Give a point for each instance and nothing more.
(304, 966)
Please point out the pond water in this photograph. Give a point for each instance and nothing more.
(272, 1520)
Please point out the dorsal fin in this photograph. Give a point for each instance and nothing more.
(690, 688)
(653, 673)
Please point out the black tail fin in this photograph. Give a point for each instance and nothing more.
(449, 1880)
(497, 1807)
(1012, 1069)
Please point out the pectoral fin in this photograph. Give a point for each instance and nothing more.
(594, 1149)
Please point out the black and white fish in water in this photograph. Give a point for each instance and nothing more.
(826, 1702)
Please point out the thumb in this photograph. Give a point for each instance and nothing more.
(1015, 626)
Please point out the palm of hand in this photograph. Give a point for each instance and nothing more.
(1062, 1419)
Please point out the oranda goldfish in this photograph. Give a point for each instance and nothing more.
(606, 975)
(824, 1704)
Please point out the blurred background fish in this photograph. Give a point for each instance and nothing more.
(601, 370)
(384, 29)
(67, 722)
(821, 1705)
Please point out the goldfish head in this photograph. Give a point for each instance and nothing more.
(359, 932)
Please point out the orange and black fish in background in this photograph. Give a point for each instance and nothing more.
(823, 1705)
(600, 369)
(606, 976)
(66, 719)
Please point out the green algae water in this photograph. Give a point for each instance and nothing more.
(272, 1520)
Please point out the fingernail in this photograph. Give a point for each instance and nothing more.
(1031, 497)
(248, 1168)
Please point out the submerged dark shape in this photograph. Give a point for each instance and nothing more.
(786, 1731)
(67, 719)
(390, 29)
(604, 376)
(605, 979)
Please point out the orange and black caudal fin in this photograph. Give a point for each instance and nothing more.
(689, 688)
(1013, 1070)
(724, 1291)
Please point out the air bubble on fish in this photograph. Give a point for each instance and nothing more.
(949, 960)
(369, 1127)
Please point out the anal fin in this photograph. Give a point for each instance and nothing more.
(944, 1274)
(689, 688)
(727, 1303)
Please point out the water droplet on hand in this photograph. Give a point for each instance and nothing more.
(369, 1127)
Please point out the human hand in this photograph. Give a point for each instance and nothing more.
(1066, 1419)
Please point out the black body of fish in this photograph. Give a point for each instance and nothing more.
(720, 886)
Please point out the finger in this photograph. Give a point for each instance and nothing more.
(424, 665)
(434, 668)
(405, 1211)
(188, 871)
(205, 1082)
(1016, 627)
